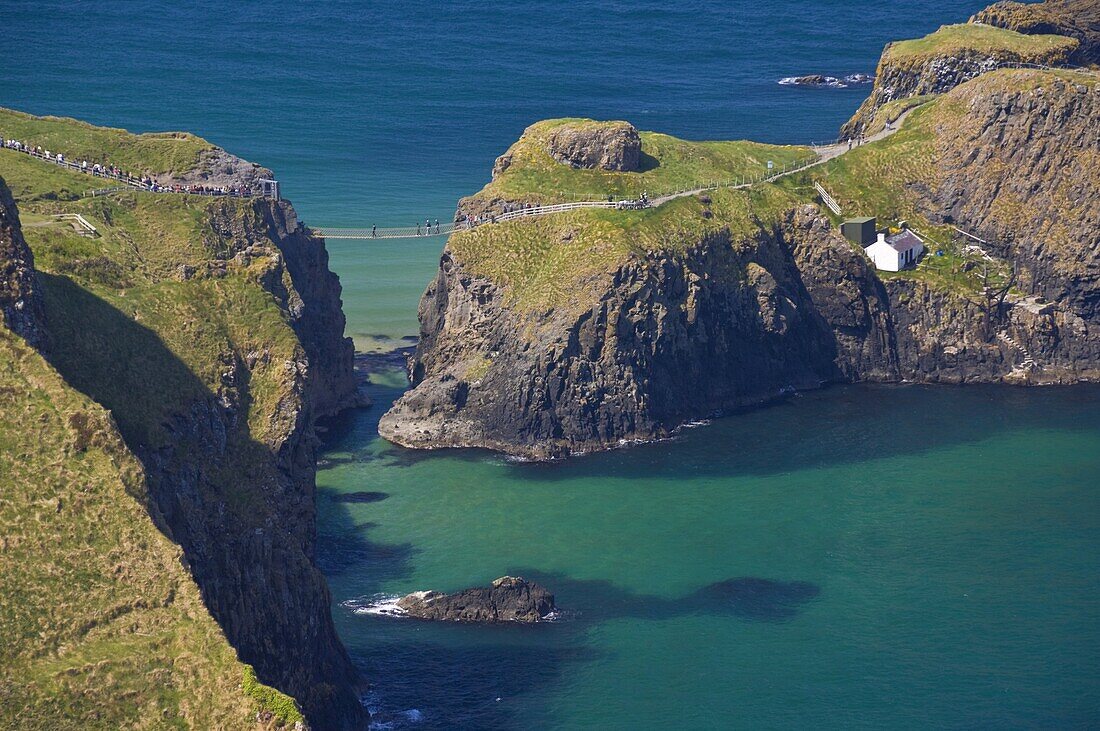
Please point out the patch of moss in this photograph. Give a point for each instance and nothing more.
(281, 706)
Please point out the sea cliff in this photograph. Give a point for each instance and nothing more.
(547, 337)
(200, 339)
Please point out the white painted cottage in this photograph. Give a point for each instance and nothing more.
(894, 253)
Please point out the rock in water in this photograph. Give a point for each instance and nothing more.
(509, 599)
(604, 145)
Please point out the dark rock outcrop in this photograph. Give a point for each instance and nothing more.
(508, 599)
(1078, 19)
(218, 168)
(20, 305)
(1010, 173)
(603, 145)
(827, 82)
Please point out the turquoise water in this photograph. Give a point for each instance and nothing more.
(902, 557)
(859, 557)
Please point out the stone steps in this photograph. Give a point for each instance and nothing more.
(1028, 362)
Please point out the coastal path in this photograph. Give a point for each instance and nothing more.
(825, 153)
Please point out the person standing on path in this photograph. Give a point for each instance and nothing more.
(374, 231)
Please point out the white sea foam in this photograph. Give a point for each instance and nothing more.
(379, 605)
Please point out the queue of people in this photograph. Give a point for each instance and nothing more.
(113, 172)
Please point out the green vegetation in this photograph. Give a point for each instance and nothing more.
(103, 625)
(562, 261)
(668, 164)
(987, 40)
(884, 178)
(162, 152)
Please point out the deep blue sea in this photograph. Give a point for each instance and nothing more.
(855, 558)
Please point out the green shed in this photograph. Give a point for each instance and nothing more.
(859, 230)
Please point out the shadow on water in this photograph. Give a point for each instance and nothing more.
(588, 601)
(834, 426)
(478, 673)
(364, 496)
(482, 686)
(343, 546)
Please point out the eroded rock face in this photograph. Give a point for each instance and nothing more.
(674, 338)
(508, 599)
(597, 145)
(1022, 170)
(261, 584)
(20, 306)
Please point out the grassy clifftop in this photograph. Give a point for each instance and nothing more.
(563, 261)
(667, 164)
(968, 38)
(156, 153)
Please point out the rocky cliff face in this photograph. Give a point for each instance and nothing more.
(20, 304)
(732, 321)
(259, 580)
(672, 339)
(1079, 19)
(1010, 172)
(904, 74)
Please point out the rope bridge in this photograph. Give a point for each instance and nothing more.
(445, 229)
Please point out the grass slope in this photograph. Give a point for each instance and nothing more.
(562, 261)
(884, 179)
(103, 626)
(162, 152)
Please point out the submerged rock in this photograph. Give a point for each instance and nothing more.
(832, 82)
(508, 599)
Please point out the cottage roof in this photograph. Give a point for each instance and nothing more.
(904, 241)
